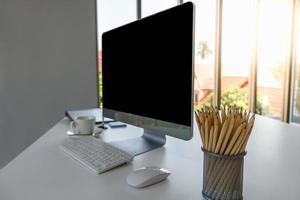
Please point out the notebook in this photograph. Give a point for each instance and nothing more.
(97, 112)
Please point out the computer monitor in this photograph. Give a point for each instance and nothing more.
(147, 68)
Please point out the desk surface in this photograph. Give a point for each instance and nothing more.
(43, 171)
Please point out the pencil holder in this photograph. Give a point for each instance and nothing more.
(222, 176)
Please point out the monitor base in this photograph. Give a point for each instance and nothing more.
(148, 141)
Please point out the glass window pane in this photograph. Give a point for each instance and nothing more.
(295, 113)
(273, 47)
(150, 7)
(237, 44)
(296, 96)
(205, 27)
(112, 14)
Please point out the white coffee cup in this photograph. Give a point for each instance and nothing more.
(83, 125)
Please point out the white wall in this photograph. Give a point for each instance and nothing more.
(47, 65)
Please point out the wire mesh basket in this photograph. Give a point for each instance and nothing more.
(222, 176)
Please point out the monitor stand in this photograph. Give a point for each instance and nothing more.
(148, 141)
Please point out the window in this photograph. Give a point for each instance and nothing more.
(296, 96)
(244, 51)
(237, 43)
(114, 13)
(273, 48)
(150, 7)
(204, 52)
(295, 101)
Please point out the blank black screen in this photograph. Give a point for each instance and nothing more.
(147, 66)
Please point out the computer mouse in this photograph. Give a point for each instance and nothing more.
(146, 176)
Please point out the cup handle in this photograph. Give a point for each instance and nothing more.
(73, 126)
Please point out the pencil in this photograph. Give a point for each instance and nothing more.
(210, 143)
(234, 138)
(206, 138)
(215, 135)
(227, 135)
(199, 127)
(222, 135)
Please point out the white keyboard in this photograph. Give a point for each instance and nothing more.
(95, 154)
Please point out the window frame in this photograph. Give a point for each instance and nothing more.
(289, 78)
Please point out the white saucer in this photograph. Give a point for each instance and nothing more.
(97, 131)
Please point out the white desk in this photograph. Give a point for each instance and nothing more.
(44, 172)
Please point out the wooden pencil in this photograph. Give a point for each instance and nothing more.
(215, 135)
(234, 138)
(210, 143)
(199, 126)
(227, 134)
(222, 135)
(206, 137)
